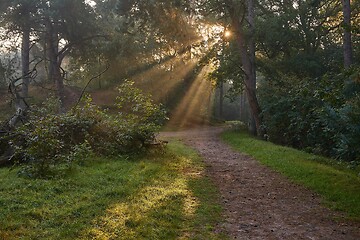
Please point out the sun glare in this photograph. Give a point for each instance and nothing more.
(227, 34)
(211, 33)
(90, 2)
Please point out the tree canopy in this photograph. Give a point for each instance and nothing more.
(296, 61)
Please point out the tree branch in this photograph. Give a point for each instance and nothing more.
(88, 83)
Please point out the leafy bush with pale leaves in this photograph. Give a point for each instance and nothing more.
(50, 141)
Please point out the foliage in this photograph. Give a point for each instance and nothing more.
(305, 96)
(139, 36)
(320, 115)
(149, 197)
(227, 69)
(50, 140)
(7, 69)
(338, 185)
(3, 82)
(139, 107)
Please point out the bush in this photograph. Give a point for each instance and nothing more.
(49, 141)
(319, 115)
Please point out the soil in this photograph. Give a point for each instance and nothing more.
(259, 203)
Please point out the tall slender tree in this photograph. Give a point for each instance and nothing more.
(348, 51)
(18, 17)
(242, 16)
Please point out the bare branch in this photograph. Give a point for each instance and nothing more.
(88, 83)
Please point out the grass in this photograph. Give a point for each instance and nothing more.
(338, 186)
(159, 196)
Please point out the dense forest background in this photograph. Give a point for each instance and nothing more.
(290, 67)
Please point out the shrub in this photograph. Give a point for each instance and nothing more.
(49, 141)
(320, 115)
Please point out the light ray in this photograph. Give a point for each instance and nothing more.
(195, 107)
(161, 79)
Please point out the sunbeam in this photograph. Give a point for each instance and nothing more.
(196, 106)
(160, 80)
(173, 81)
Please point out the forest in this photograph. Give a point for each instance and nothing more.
(100, 79)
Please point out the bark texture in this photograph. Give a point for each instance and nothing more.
(348, 52)
(247, 52)
(55, 60)
(20, 91)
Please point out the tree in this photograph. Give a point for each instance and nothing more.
(307, 100)
(18, 16)
(140, 35)
(59, 28)
(241, 16)
(305, 43)
(2, 74)
(348, 52)
(68, 26)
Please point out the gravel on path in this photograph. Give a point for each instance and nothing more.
(260, 203)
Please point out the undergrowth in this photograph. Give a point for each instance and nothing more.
(48, 143)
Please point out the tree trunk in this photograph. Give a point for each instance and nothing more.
(348, 52)
(252, 50)
(25, 62)
(22, 94)
(60, 88)
(221, 100)
(242, 107)
(247, 54)
(55, 63)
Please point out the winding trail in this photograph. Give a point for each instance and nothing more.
(260, 203)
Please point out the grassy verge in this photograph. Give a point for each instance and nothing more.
(339, 187)
(162, 196)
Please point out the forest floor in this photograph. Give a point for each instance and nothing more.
(260, 203)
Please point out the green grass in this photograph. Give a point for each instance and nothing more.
(160, 196)
(338, 186)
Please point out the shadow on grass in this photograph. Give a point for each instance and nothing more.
(156, 197)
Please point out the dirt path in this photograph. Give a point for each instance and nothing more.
(260, 203)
